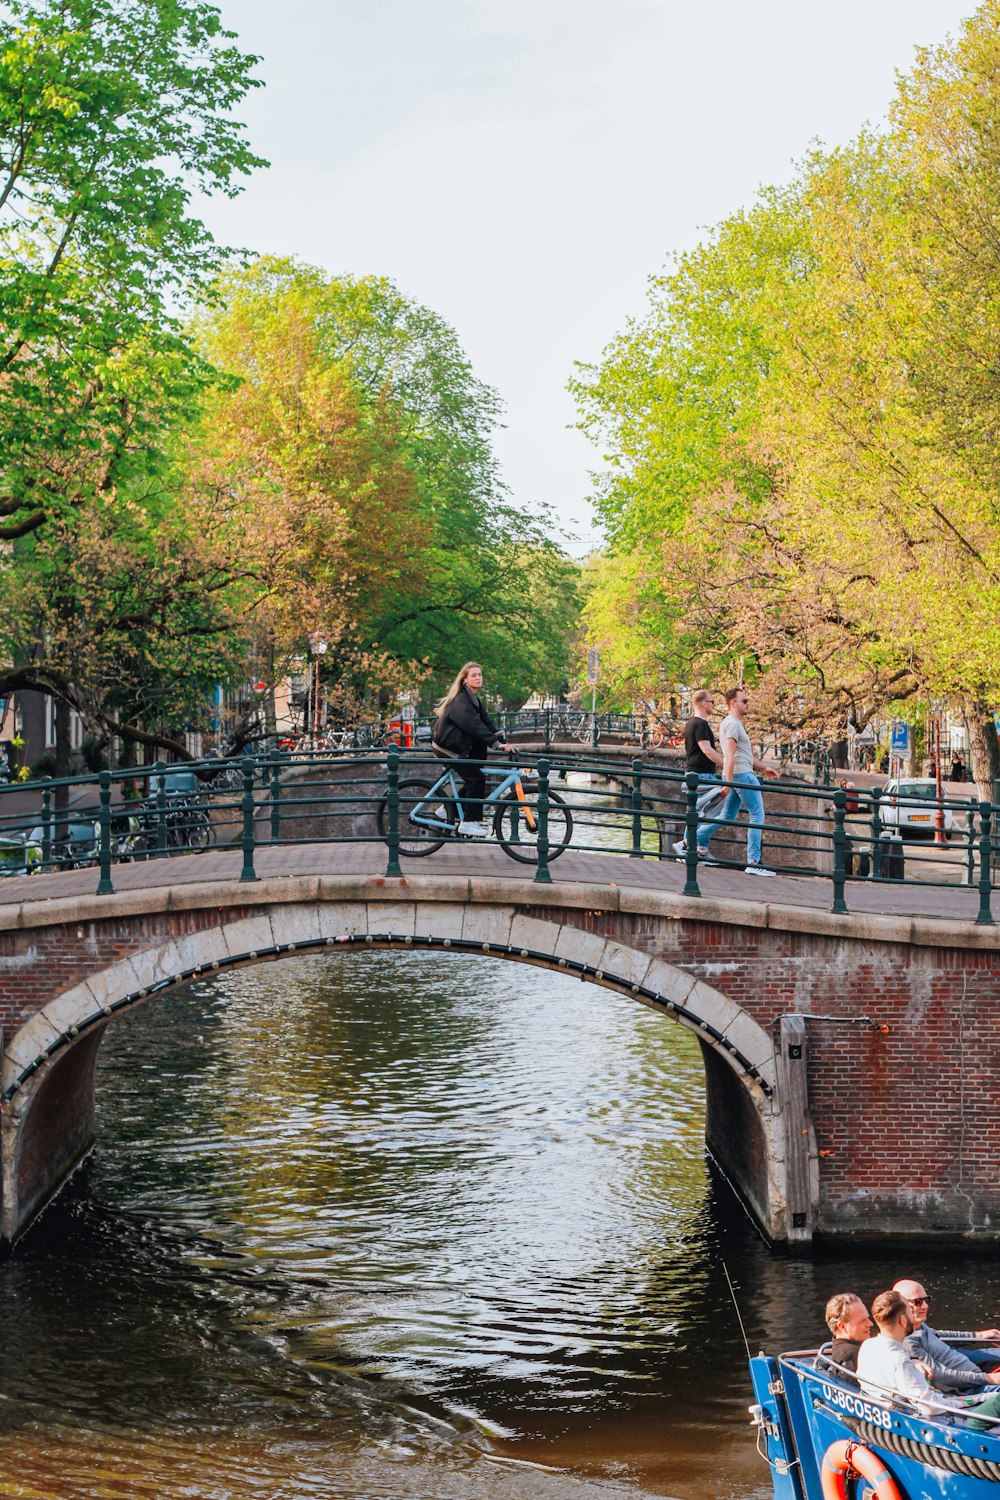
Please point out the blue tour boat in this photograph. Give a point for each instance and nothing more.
(824, 1439)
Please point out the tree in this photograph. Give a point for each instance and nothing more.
(112, 113)
(359, 426)
(834, 520)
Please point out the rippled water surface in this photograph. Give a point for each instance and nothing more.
(404, 1226)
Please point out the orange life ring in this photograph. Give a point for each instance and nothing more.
(844, 1458)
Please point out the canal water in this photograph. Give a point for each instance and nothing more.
(418, 1226)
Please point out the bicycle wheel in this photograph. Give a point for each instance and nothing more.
(435, 824)
(197, 830)
(517, 839)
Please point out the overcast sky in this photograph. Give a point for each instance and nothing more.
(522, 166)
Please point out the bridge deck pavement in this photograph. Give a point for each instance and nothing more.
(223, 866)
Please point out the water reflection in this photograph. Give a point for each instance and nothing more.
(384, 1224)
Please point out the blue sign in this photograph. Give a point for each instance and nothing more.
(900, 739)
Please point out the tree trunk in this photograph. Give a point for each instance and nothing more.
(838, 754)
(985, 747)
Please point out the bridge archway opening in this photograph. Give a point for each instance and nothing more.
(50, 1095)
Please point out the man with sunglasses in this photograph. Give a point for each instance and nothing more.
(950, 1369)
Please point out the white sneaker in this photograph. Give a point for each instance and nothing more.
(681, 850)
(758, 870)
(472, 830)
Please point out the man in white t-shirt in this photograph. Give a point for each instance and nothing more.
(886, 1370)
(739, 766)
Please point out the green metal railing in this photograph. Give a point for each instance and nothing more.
(634, 807)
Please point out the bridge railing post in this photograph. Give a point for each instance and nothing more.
(393, 866)
(104, 884)
(691, 887)
(970, 840)
(275, 782)
(985, 917)
(636, 851)
(548, 729)
(839, 844)
(160, 773)
(248, 872)
(543, 874)
(46, 826)
(876, 833)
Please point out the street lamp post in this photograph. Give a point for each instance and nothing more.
(318, 644)
(939, 833)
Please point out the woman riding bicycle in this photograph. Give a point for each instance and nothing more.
(464, 731)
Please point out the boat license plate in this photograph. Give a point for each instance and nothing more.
(920, 817)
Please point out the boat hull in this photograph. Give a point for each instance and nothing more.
(803, 1411)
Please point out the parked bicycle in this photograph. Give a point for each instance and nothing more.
(430, 812)
(136, 833)
(588, 730)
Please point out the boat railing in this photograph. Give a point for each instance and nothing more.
(893, 1400)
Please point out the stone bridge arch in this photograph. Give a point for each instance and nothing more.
(49, 1063)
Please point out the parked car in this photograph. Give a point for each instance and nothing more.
(910, 805)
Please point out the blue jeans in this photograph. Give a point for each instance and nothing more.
(746, 792)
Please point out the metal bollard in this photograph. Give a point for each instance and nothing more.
(876, 834)
(691, 887)
(46, 827)
(542, 874)
(104, 884)
(636, 850)
(839, 841)
(392, 807)
(160, 772)
(985, 917)
(248, 872)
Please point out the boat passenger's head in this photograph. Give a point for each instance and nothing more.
(892, 1314)
(847, 1317)
(916, 1300)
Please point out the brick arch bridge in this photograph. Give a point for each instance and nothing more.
(850, 1060)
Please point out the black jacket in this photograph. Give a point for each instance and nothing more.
(465, 728)
(845, 1352)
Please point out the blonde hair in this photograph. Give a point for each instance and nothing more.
(838, 1307)
(456, 687)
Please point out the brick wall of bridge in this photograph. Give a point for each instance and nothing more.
(903, 1039)
(906, 1110)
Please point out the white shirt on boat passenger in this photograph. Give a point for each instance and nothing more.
(884, 1366)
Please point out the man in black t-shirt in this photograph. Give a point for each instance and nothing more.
(701, 752)
(847, 1319)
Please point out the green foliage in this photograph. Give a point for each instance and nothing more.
(112, 112)
(357, 408)
(801, 434)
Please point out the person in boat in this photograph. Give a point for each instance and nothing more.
(847, 1319)
(465, 731)
(885, 1369)
(950, 1369)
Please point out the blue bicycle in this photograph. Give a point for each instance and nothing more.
(430, 812)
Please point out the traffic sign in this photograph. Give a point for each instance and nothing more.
(593, 666)
(900, 738)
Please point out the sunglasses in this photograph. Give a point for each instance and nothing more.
(919, 1301)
